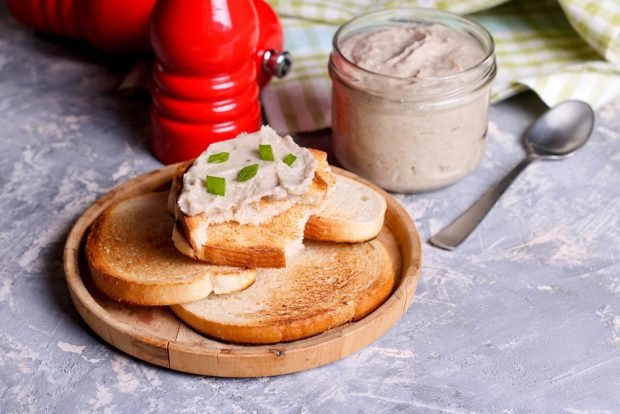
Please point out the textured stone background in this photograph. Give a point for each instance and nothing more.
(525, 317)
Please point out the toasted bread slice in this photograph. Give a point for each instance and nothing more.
(324, 286)
(264, 245)
(132, 258)
(353, 213)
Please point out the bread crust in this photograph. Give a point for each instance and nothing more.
(325, 228)
(264, 334)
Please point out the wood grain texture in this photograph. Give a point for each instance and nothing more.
(155, 335)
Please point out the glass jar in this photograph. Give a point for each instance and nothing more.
(410, 134)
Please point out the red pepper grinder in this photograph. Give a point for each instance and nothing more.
(211, 56)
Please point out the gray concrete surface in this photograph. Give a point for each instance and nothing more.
(523, 318)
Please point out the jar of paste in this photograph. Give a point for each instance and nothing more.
(410, 97)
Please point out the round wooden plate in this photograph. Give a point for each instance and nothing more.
(155, 335)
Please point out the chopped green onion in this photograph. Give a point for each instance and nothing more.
(247, 173)
(217, 158)
(266, 153)
(216, 185)
(289, 159)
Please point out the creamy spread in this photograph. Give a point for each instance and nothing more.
(274, 180)
(399, 130)
(413, 51)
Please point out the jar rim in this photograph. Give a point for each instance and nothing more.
(426, 15)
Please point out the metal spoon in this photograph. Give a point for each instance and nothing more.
(559, 132)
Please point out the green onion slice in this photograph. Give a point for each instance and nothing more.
(216, 185)
(266, 153)
(247, 173)
(217, 158)
(289, 159)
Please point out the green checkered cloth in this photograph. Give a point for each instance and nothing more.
(561, 49)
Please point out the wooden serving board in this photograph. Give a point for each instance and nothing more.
(155, 335)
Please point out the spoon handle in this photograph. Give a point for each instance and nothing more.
(452, 235)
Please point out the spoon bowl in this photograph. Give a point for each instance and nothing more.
(561, 130)
(558, 133)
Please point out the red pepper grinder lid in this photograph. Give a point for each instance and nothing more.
(211, 55)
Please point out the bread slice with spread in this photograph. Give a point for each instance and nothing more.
(245, 202)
